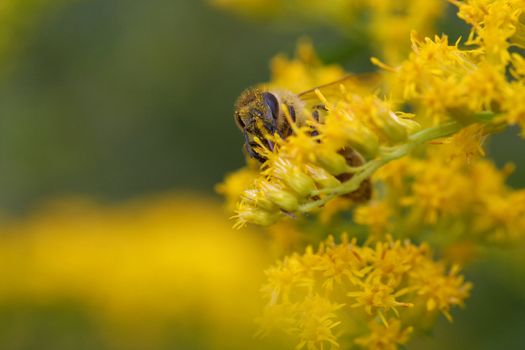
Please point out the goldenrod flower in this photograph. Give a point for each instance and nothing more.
(514, 105)
(518, 66)
(302, 71)
(316, 320)
(376, 215)
(466, 145)
(501, 217)
(385, 338)
(394, 174)
(438, 190)
(455, 198)
(496, 24)
(166, 258)
(392, 22)
(286, 237)
(446, 82)
(343, 285)
(235, 183)
(440, 289)
(302, 167)
(452, 90)
(406, 157)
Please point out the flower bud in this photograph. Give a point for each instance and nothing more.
(331, 161)
(364, 141)
(322, 177)
(247, 213)
(410, 125)
(342, 130)
(392, 129)
(280, 196)
(294, 177)
(300, 182)
(257, 199)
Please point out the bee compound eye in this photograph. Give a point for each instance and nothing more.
(271, 101)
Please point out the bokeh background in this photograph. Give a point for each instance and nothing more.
(115, 124)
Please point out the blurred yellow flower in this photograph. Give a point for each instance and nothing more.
(235, 183)
(438, 190)
(514, 105)
(456, 197)
(496, 25)
(326, 297)
(303, 71)
(501, 218)
(385, 338)
(140, 264)
(376, 215)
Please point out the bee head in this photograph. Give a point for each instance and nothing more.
(256, 113)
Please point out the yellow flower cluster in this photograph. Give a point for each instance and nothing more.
(446, 81)
(409, 164)
(496, 25)
(134, 268)
(302, 71)
(387, 338)
(387, 23)
(443, 81)
(391, 23)
(374, 296)
(235, 183)
(450, 89)
(303, 167)
(460, 200)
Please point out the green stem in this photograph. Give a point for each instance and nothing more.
(368, 169)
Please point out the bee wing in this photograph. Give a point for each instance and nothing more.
(365, 83)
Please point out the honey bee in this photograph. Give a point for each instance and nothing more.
(260, 112)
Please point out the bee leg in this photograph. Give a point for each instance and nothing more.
(275, 128)
(279, 133)
(249, 149)
(259, 157)
(249, 145)
(272, 127)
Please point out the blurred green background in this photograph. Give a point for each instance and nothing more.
(116, 99)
